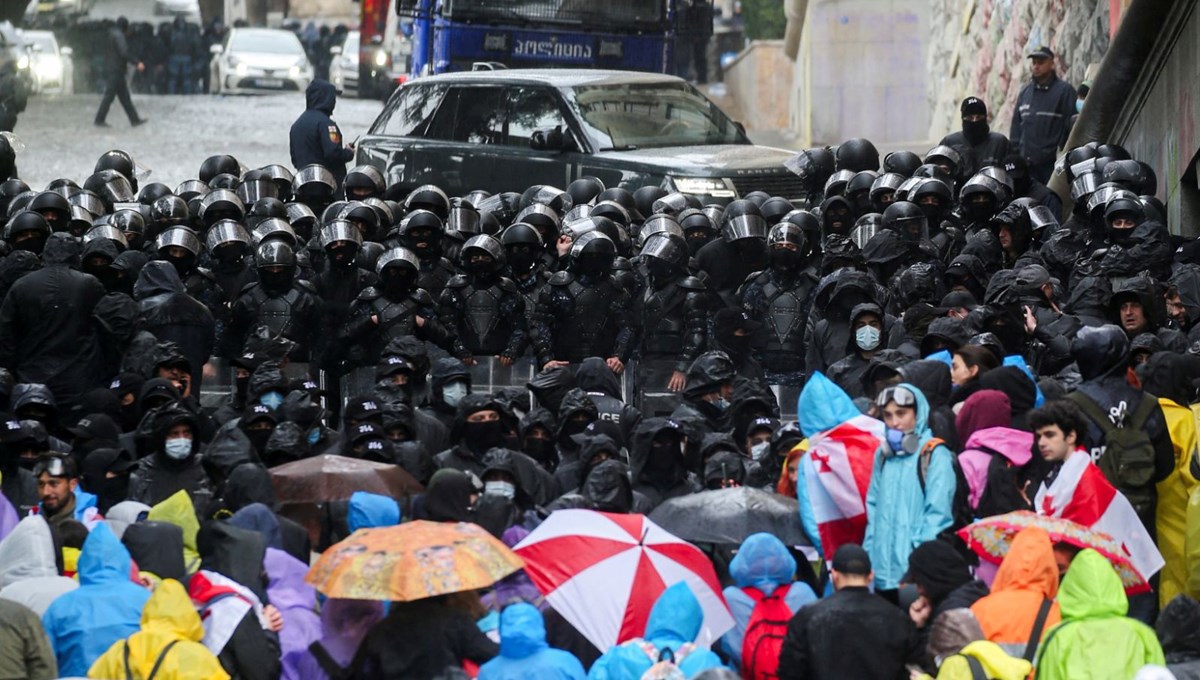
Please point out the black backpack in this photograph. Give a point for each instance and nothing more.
(1128, 460)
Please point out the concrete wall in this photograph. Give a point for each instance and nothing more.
(978, 47)
(1161, 123)
(759, 81)
(862, 72)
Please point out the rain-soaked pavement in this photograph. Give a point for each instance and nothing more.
(60, 140)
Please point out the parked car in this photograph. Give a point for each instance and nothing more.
(260, 60)
(343, 65)
(59, 8)
(184, 8)
(506, 130)
(14, 48)
(51, 66)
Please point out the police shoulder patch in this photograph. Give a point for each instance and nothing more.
(334, 135)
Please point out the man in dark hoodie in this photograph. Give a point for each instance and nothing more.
(449, 383)
(1138, 307)
(657, 459)
(46, 331)
(173, 463)
(315, 138)
(171, 315)
(604, 389)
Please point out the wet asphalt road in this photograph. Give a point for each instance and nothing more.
(60, 140)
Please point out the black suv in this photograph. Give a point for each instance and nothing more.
(507, 130)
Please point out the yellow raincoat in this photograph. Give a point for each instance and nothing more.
(996, 664)
(168, 617)
(1172, 514)
(178, 510)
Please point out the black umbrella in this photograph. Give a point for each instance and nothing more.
(728, 516)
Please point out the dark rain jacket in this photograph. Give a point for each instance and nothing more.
(47, 333)
(171, 315)
(315, 138)
(658, 482)
(158, 477)
(1040, 119)
(435, 637)
(599, 382)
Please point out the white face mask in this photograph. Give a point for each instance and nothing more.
(500, 489)
(867, 338)
(760, 450)
(178, 448)
(452, 393)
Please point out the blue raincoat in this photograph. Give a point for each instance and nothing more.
(899, 515)
(674, 621)
(107, 606)
(822, 406)
(370, 510)
(764, 563)
(524, 652)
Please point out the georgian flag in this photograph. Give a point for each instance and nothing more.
(837, 472)
(1083, 495)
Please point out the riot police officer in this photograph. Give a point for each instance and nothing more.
(181, 247)
(780, 297)
(672, 312)
(229, 246)
(420, 233)
(394, 308)
(583, 312)
(482, 308)
(284, 304)
(525, 266)
(342, 281)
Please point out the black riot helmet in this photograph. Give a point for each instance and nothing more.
(262, 209)
(1122, 215)
(698, 229)
(934, 198)
(180, 247)
(613, 211)
(503, 206)
(980, 198)
(475, 196)
(274, 229)
(865, 229)
(665, 255)
(228, 241)
(908, 220)
(523, 245)
(27, 230)
(81, 221)
(364, 216)
(585, 189)
(219, 165)
(398, 269)
(302, 218)
(463, 219)
(314, 186)
(341, 241)
(552, 197)
(119, 161)
(251, 190)
(111, 186)
(674, 203)
(837, 183)
(224, 180)
(946, 158)
(369, 254)
(276, 264)
(883, 190)
(168, 211)
(331, 211)
(856, 155)
(52, 206)
(787, 246)
(645, 197)
(364, 181)
(658, 224)
(592, 255)
(421, 232)
(813, 166)
(903, 163)
(624, 198)
(858, 191)
(428, 197)
(109, 233)
(152, 192)
(542, 218)
(743, 220)
(221, 204)
(281, 176)
(132, 225)
(774, 208)
(482, 255)
(811, 226)
(192, 188)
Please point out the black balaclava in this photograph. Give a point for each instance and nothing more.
(479, 437)
(397, 283)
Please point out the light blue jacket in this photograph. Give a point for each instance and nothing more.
(107, 606)
(899, 516)
(764, 563)
(524, 653)
(371, 510)
(675, 620)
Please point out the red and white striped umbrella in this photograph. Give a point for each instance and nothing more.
(603, 572)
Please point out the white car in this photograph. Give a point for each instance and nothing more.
(343, 65)
(50, 65)
(184, 8)
(260, 60)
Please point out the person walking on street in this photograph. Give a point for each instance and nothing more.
(315, 138)
(1042, 114)
(117, 86)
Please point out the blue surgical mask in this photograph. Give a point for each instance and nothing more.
(500, 489)
(314, 436)
(721, 403)
(760, 451)
(272, 400)
(867, 338)
(452, 393)
(178, 448)
(895, 439)
(1078, 106)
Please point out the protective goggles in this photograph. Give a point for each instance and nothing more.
(55, 466)
(902, 396)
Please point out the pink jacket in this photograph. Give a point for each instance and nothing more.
(1015, 445)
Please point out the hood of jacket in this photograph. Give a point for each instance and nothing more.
(573, 402)
(321, 95)
(1012, 381)
(607, 488)
(258, 517)
(1141, 290)
(370, 510)
(229, 449)
(1169, 376)
(595, 376)
(1100, 351)
(1089, 300)
(823, 405)
(643, 444)
(24, 394)
(157, 278)
(938, 568)
(266, 378)
(675, 618)
(539, 417)
(1186, 279)
(1091, 589)
(593, 445)
(1015, 445)
(102, 247)
(171, 611)
(1029, 565)
(103, 559)
(724, 464)
(983, 409)
(1178, 629)
(922, 425)
(178, 510)
(286, 586)
(156, 547)
(522, 631)
(62, 249)
(444, 371)
(853, 287)
(762, 562)
(27, 552)
(932, 377)
(234, 553)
